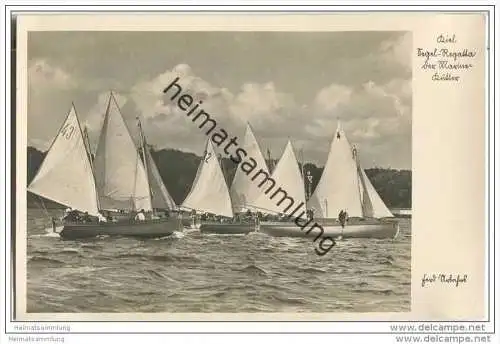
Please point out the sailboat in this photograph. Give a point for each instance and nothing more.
(345, 186)
(245, 192)
(116, 181)
(288, 177)
(209, 194)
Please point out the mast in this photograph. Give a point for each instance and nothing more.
(271, 164)
(302, 172)
(223, 168)
(309, 179)
(86, 143)
(302, 164)
(144, 158)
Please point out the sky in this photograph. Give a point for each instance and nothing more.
(287, 85)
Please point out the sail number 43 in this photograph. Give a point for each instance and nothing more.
(67, 131)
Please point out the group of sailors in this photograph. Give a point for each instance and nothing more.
(75, 216)
(250, 216)
(247, 216)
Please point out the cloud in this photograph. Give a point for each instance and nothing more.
(151, 101)
(165, 123)
(375, 116)
(50, 91)
(257, 102)
(41, 75)
(45, 83)
(366, 101)
(94, 118)
(398, 50)
(330, 97)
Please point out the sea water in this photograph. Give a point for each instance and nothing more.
(194, 272)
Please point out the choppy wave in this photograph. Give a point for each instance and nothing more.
(195, 272)
(39, 260)
(47, 234)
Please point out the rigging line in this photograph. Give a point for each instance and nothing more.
(44, 208)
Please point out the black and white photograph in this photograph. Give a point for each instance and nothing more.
(219, 172)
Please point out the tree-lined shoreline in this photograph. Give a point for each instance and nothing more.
(178, 170)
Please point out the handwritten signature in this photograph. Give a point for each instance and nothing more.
(452, 279)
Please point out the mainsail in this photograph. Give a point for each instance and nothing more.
(209, 192)
(244, 191)
(289, 178)
(160, 197)
(121, 179)
(345, 186)
(65, 175)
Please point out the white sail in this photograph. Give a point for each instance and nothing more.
(65, 175)
(373, 205)
(209, 192)
(289, 178)
(245, 191)
(160, 197)
(121, 179)
(338, 187)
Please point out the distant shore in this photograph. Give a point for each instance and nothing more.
(393, 186)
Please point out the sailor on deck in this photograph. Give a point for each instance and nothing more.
(86, 217)
(140, 216)
(310, 214)
(101, 218)
(342, 217)
(53, 219)
(71, 215)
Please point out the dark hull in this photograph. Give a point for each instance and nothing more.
(189, 223)
(146, 229)
(227, 228)
(356, 229)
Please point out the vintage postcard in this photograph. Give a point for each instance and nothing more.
(251, 166)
